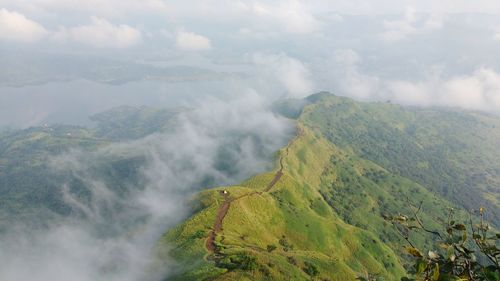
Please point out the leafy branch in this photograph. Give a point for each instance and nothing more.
(455, 258)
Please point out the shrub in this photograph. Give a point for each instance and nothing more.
(271, 248)
(241, 261)
(199, 234)
(463, 252)
(286, 245)
(292, 260)
(310, 269)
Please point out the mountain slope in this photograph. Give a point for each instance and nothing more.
(453, 153)
(292, 216)
(323, 217)
(31, 186)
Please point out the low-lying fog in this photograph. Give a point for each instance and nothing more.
(114, 237)
(63, 61)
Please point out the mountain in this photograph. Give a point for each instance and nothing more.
(54, 172)
(29, 182)
(320, 213)
(25, 68)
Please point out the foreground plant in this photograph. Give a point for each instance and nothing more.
(464, 252)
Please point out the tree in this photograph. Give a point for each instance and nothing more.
(465, 251)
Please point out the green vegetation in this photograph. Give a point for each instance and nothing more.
(123, 123)
(310, 239)
(450, 152)
(30, 187)
(460, 253)
(351, 165)
(337, 187)
(310, 269)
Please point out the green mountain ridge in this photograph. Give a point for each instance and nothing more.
(453, 153)
(318, 215)
(350, 164)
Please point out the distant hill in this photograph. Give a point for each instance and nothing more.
(23, 69)
(319, 215)
(31, 188)
(126, 122)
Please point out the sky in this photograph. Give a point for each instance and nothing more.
(426, 53)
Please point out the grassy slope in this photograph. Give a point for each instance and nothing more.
(329, 205)
(293, 211)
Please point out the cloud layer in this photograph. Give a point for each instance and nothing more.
(411, 24)
(100, 33)
(189, 41)
(410, 52)
(290, 72)
(16, 27)
(114, 237)
(479, 90)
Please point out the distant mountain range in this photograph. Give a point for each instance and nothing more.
(18, 71)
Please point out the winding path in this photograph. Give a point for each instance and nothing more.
(224, 207)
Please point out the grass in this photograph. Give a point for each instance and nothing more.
(293, 216)
(324, 219)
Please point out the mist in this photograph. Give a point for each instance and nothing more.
(113, 236)
(224, 63)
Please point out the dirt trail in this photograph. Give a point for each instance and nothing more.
(221, 213)
(224, 207)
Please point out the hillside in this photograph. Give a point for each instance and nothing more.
(29, 183)
(40, 167)
(453, 153)
(319, 214)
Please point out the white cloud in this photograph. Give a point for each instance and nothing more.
(406, 92)
(296, 18)
(261, 10)
(250, 33)
(344, 65)
(400, 29)
(290, 72)
(410, 24)
(241, 132)
(109, 8)
(434, 21)
(479, 90)
(16, 27)
(497, 36)
(190, 41)
(102, 8)
(292, 16)
(100, 33)
(377, 7)
(397, 30)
